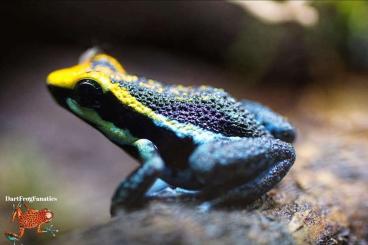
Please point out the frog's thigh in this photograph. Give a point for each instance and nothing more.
(276, 124)
(253, 164)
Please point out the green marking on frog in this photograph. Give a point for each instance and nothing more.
(114, 133)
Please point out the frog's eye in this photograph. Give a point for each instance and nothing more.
(88, 93)
(48, 215)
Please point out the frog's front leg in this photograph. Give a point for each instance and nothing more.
(240, 169)
(276, 124)
(39, 230)
(17, 213)
(132, 190)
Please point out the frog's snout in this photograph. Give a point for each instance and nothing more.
(61, 83)
(53, 78)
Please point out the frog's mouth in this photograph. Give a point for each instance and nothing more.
(60, 94)
(85, 113)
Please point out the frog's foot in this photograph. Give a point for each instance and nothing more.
(177, 192)
(159, 188)
(162, 189)
(11, 236)
(52, 230)
(240, 171)
(165, 193)
(276, 124)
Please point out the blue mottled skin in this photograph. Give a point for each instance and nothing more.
(201, 141)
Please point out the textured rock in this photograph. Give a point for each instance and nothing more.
(181, 224)
(321, 201)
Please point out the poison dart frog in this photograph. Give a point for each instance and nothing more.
(196, 139)
(30, 219)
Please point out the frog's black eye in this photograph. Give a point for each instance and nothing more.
(88, 93)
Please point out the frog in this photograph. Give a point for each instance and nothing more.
(30, 219)
(197, 140)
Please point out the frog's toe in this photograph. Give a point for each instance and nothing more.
(205, 207)
(169, 192)
(166, 192)
(181, 191)
(11, 236)
(286, 133)
(158, 186)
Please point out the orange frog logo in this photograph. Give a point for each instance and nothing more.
(30, 219)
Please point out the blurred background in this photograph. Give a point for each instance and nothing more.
(307, 60)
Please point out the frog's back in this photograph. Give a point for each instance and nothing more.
(209, 108)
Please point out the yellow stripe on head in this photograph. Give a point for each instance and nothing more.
(69, 77)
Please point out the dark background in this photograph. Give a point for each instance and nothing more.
(314, 74)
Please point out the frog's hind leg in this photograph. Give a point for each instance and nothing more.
(276, 124)
(240, 170)
(132, 191)
(14, 236)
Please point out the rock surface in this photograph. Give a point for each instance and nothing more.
(321, 201)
